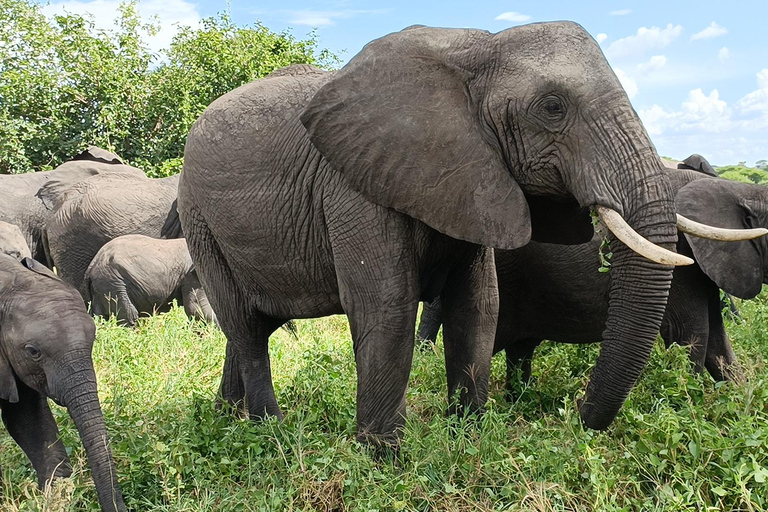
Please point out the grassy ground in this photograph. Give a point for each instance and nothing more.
(681, 442)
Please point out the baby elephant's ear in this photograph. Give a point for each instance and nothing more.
(38, 268)
(8, 390)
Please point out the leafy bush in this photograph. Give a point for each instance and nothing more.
(64, 84)
(743, 174)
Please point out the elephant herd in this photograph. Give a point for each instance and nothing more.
(450, 166)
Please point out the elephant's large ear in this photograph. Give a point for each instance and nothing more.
(398, 121)
(8, 390)
(96, 154)
(736, 267)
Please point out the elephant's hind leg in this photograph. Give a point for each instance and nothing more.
(31, 425)
(246, 382)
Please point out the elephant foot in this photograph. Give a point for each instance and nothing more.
(381, 447)
(461, 409)
(234, 407)
(61, 470)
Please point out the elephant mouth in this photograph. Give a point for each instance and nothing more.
(632, 239)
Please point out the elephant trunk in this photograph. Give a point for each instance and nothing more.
(80, 398)
(637, 300)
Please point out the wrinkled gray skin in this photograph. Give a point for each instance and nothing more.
(554, 292)
(12, 241)
(135, 274)
(102, 208)
(366, 190)
(21, 205)
(46, 338)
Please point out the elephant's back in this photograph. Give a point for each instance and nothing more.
(151, 269)
(102, 208)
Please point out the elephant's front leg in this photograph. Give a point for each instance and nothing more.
(470, 310)
(31, 424)
(379, 291)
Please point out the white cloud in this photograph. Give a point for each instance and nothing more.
(723, 54)
(644, 40)
(170, 14)
(713, 30)
(601, 37)
(710, 112)
(629, 84)
(512, 16)
(656, 62)
(325, 18)
(620, 12)
(756, 102)
(740, 129)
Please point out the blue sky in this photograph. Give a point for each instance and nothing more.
(696, 72)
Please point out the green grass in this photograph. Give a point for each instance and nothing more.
(681, 442)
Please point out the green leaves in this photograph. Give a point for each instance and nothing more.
(65, 85)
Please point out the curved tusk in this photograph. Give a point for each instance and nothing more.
(637, 243)
(700, 230)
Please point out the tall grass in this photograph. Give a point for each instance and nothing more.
(681, 442)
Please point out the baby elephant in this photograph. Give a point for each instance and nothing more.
(135, 274)
(12, 241)
(46, 337)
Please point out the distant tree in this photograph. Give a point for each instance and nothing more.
(761, 164)
(744, 174)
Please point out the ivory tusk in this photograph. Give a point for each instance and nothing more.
(700, 230)
(637, 243)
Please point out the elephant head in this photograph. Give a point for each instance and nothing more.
(46, 337)
(474, 133)
(739, 268)
(12, 241)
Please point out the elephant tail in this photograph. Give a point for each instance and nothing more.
(172, 226)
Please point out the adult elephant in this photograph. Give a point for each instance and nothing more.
(46, 338)
(137, 274)
(554, 292)
(365, 190)
(102, 208)
(22, 205)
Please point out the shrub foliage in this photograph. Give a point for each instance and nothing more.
(65, 84)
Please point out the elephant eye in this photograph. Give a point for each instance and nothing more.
(32, 351)
(553, 108)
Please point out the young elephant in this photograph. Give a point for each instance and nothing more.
(12, 241)
(554, 292)
(135, 274)
(46, 337)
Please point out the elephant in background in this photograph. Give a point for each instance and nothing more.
(102, 208)
(46, 338)
(136, 274)
(12, 241)
(554, 292)
(365, 190)
(23, 206)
